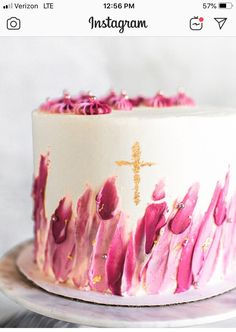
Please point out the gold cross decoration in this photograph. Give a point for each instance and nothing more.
(136, 165)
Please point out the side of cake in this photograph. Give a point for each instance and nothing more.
(139, 200)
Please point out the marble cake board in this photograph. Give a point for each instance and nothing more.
(18, 288)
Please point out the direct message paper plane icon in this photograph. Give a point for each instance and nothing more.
(221, 21)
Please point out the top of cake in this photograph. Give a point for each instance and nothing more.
(121, 105)
(87, 104)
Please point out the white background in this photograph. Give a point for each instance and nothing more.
(32, 69)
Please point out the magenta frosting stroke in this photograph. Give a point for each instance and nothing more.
(166, 252)
(116, 257)
(39, 215)
(107, 200)
(60, 247)
(183, 216)
(141, 243)
(154, 219)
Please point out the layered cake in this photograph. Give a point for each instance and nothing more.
(134, 196)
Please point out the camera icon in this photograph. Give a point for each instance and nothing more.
(13, 23)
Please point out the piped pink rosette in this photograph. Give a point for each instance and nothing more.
(91, 106)
(87, 104)
(64, 104)
(181, 99)
(160, 100)
(84, 104)
(119, 102)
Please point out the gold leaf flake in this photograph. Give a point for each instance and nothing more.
(207, 244)
(178, 246)
(97, 279)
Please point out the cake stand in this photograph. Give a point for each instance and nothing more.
(24, 292)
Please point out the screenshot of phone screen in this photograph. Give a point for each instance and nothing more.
(117, 163)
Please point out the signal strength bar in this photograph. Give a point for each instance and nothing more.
(9, 6)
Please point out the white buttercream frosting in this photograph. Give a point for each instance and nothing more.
(187, 145)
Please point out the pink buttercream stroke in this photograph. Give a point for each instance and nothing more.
(39, 215)
(86, 226)
(168, 251)
(60, 247)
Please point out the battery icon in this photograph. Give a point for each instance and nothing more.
(225, 5)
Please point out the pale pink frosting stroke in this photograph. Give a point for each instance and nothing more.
(86, 225)
(153, 274)
(97, 273)
(129, 267)
(175, 249)
(107, 200)
(176, 240)
(39, 216)
(229, 233)
(60, 247)
(219, 214)
(64, 255)
(183, 217)
(233, 247)
(220, 211)
(135, 257)
(116, 257)
(60, 220)
(206, 232)
(139, 251)
(211, 258)
(159, 191)
(232, 214)
(184, 275)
